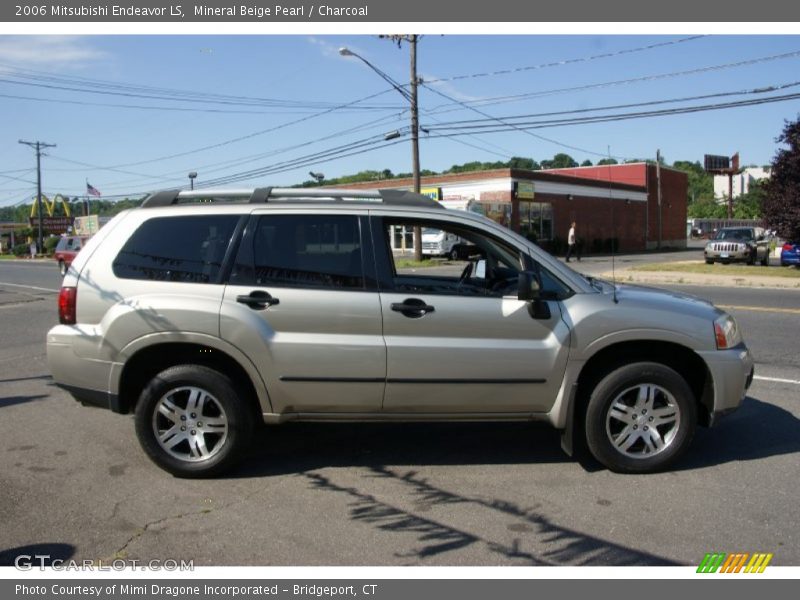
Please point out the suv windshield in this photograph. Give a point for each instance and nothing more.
(734, 234)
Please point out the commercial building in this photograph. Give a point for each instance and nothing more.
(741, 182)
(610, 202)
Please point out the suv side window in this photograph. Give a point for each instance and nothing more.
(491, 269)
(305, 251)
(183, 248)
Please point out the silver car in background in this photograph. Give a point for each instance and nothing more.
(207, 312)
(738, 244)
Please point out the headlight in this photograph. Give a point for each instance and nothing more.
(726, 332)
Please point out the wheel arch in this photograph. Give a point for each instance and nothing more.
(143, 362)
(687, 363)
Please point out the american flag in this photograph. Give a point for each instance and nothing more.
(91, 190)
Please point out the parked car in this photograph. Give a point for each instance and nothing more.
(206, 318)
(66, 251)
(738, 244)
(790, 254)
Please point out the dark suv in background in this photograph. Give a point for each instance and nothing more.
(738, 244)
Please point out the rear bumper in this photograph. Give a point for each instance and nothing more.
(731, 373)
(85, 378)
(93, 397)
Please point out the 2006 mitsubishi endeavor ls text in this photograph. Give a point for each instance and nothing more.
(205, 312)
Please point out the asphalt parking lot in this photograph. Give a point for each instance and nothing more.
(73, 480)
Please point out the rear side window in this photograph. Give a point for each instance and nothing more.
(308, 251)
(188, 249)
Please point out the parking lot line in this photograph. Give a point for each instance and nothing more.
(790, 311)
(30, 287)
(777, 380)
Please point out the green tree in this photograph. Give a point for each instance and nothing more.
(560, 161)
(586, 163)
(607, 161)
(748, 206)
(701, 184)
(706, 208)
(781, 202)
(517, 162)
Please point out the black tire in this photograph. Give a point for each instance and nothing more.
(709, 261)
(765, 260)
(225, 434)
(669, 394)
(62, 268)
(454, 254)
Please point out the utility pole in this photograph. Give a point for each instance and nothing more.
(38, 147)
(412, 40)
(658, 182)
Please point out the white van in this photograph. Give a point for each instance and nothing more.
(436, 242)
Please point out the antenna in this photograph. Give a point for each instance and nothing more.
(613, 233)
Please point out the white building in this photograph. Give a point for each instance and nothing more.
(741, 182)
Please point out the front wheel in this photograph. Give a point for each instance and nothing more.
(640, 418)
(192, 421)
(454, 255)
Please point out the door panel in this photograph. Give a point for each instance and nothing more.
(317, 350)
(471, 345)
(485, 355)
(301, 305)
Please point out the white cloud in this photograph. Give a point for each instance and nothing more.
(48, 51)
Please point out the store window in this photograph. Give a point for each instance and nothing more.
(536, 220)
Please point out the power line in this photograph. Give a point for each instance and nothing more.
(759, 90)
(517, 97)
(571, 61)
(511, 125)
(484, 129)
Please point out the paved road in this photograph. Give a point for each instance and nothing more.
(454, 494)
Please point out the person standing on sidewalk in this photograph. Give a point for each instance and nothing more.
(572, 246)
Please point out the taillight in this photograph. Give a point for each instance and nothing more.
(67, 305)
(788, 247)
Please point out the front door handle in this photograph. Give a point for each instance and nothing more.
(413, 308)
(258, 300)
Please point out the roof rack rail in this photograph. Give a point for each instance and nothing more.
(270, 194)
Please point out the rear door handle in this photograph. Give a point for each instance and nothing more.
(413, 308)
(257, 300)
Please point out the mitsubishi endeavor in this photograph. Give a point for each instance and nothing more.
(206, 312)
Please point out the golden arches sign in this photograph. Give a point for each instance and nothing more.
(50, 205)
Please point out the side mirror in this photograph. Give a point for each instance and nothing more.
(529, 288)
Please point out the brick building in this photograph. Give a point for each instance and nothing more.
(619, 202)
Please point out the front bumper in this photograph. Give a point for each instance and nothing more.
(731, 374)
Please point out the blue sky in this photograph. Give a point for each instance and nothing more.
(123, 150)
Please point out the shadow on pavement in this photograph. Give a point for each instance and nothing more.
(12, 400)
(36, 555)
(757, 430)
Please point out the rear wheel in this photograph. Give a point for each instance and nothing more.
(765, 260)
(62, 268)
(192, 421)
(454, 254)
(640, 418)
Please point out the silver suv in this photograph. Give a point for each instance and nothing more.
(207, 312)
(738, 244)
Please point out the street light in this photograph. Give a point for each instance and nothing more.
(320, 177)
(411, 98)
(192, 177)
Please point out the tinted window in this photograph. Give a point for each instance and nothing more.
(187, 249)
(313, 251)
